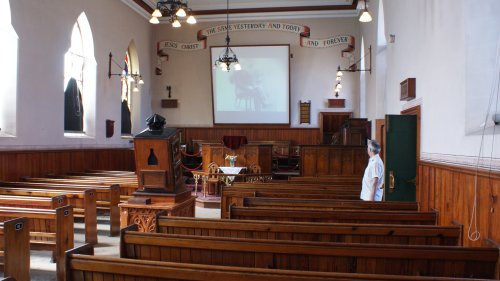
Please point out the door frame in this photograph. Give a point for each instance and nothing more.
(380, 136)
(416, 110)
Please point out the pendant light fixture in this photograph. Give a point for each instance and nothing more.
(227, 57)
(173, 9)
(365, 16)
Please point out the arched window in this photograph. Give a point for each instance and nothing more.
(8, 72)
(79, 80)
(131, 81)
(362, 81)
(126, 97)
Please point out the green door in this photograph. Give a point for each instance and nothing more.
(400, 157)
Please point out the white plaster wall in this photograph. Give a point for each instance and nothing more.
(433, 45)
(312, 71)
(44, 30)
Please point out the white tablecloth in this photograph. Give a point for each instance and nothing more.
(231, 170)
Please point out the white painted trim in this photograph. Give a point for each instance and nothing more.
(64, 147)
(411, 104)
(257, 16)
(137, 9)
(461, 160)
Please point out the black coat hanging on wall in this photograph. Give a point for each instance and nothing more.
(73, 107)
(126, 120)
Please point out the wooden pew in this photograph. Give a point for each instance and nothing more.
(107, 197)
(235, 195)
(414, 260)
(83, 202)
(327, 204)
(321, 232)
(300, 185)
(336, 216)
(108, 174)
(51, 202)
(50, 230)
(126, 190)
(92, 171)
(327, 179)
(82, 265)
(15, 249)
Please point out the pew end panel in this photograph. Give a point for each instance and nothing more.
(232, 198)
(16, 249)
(85, 249)
(123, 249)
(461, 237)
(90, 216)
(64, 238)
(114, 210)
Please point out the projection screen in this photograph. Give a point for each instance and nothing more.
(259, 93)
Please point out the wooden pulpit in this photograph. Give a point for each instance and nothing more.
(161, 188)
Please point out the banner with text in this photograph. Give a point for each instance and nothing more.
(303, 31)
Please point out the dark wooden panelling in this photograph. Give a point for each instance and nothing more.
(450, 190)
(37, 163)
(296, 136)
(320, 160)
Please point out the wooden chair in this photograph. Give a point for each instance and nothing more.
(254, 170)
(212, 180)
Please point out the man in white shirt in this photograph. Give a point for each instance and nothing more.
(373, 180)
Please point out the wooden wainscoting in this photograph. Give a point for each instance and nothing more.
(37, 163)
(295, 135)
(450, 190)
(319, 160)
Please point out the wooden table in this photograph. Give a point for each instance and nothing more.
(145, 216)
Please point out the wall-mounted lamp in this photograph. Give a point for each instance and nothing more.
(131, 77)
(352, 68)
(365, 16)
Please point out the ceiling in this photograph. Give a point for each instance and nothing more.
(215, 10)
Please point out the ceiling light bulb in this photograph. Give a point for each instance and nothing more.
(339, 86)
(135, 90)
(156, 13)
(365, 16)
(191, 20)
(176, 23)
(154, 20)
(237, 66)
(141, 82)
(223, 66)
(339, 73)
(181, 13)
(338, 78)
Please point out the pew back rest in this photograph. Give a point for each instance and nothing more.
(83, 266)
(34, 202)
(234, 196)
(326, 204)
(335, 216)
(320, 232)
(438, 261)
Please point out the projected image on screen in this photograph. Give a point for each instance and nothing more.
(256, 94)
